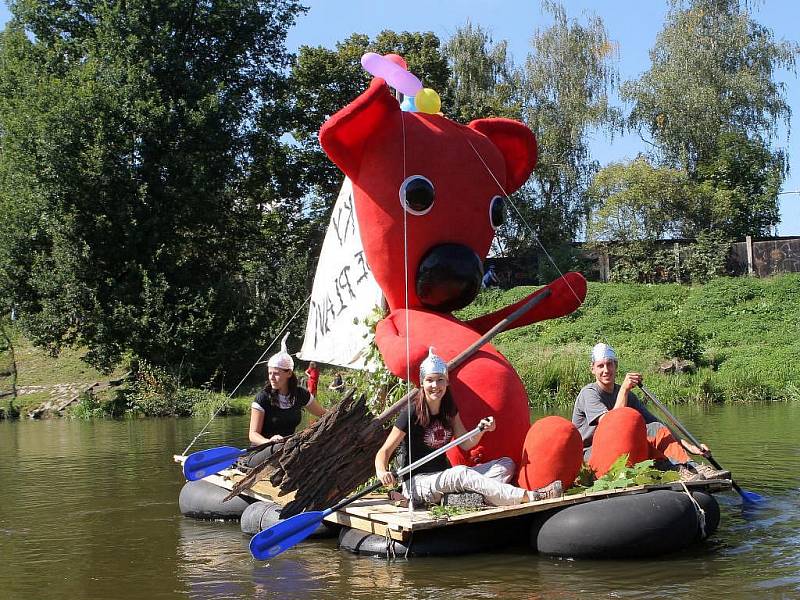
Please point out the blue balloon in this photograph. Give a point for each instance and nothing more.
(408, 104)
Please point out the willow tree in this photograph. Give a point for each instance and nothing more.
(567, 78)
(711, 81)
(483, 80)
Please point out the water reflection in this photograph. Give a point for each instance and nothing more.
(89, 511)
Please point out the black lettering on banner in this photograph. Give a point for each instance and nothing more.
(326, 310)
(343, 220)
(361, 262)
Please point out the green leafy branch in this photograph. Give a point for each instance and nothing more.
(621, 476)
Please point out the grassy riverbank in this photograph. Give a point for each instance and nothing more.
(42, 377)
(743, 333)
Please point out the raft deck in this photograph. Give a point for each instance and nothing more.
(374, 514)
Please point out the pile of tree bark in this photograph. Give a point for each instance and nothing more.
(325, 462)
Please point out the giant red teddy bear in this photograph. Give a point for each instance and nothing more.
(428, 196)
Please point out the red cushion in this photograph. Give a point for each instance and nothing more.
(553, 450)
(620, 431)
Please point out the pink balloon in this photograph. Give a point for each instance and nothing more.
(398, 60)
(395, 76)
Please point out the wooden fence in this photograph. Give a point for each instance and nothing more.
(757, 258)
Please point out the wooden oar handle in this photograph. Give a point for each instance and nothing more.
(469, 351)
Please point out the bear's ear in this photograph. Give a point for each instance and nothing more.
(343, 135)
(516, 143)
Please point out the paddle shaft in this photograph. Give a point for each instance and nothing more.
(688, 434)
(472, 349)
(407, 469)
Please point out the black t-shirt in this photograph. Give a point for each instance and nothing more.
(281, 421)
(424, 440)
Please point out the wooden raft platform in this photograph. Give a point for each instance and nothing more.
(374, 514)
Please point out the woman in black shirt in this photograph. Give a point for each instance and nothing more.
(277, 409)
(430, 423)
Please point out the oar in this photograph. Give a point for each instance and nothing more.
(207, 462)
(747, 497)
(285, 534)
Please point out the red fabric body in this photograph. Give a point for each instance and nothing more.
(378, 146)
(553, 450)
(620, 431)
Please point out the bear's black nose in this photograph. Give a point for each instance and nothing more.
(449, 277)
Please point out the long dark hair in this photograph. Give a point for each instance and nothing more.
(272, 393)
(447, 410)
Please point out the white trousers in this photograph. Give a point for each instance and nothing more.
(490, 480)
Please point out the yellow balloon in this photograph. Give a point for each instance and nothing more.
(427, 101)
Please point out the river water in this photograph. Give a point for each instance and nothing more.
(88, 510)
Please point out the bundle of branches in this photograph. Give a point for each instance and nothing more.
(324, 462)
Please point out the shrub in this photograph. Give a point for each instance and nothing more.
(157, 393)
(681, 341)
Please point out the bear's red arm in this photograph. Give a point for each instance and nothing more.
(392, 345)
(567, 294)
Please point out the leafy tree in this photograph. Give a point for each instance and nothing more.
(566, 82)
(126, 147)
(742, 178)
(712, 73)
(483, 81)
(637, 201)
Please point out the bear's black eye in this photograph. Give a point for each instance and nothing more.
(416, 194)
(497, 211)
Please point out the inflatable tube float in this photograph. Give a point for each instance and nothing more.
(260, 515)
(445, 541)
(203, 500)
(651, 524)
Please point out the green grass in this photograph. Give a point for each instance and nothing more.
(749, 330)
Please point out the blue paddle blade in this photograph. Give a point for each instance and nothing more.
(207, 462)
(285, 534)
(751, 497)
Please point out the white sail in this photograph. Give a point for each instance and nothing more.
(344, 293)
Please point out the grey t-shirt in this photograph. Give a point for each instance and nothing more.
(592, 403)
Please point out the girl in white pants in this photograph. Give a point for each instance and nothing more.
(432, 421)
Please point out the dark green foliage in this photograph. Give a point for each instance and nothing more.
(745, 176)
(567, 78)
(124, 176)
(707, 257)
(710, 106)
(711, 73)
(484, 82)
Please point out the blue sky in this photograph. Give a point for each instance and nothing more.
(633, 24)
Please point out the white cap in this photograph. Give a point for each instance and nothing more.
(282, 360)
(603, 351)
(432, 364)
